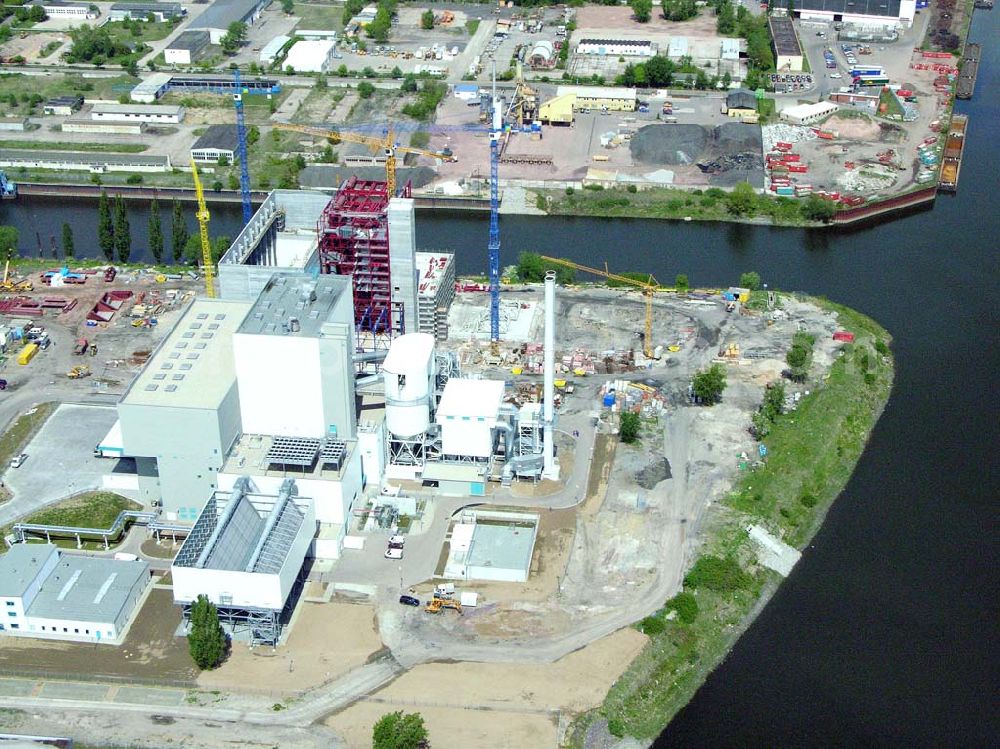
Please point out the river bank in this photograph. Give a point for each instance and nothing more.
(812, 452)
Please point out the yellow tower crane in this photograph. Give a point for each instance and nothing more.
(206, 246)
(649, 287)
(386, 143)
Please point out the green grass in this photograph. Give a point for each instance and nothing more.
(50, 86)
(23, 429)
(319, 16)
(811, 453)
(472, 26)
(41, 145)
(88, 510)
(151, 32)
(894, 110)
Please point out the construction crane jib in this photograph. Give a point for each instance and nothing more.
(208, 264)
(649, 288)
(386, 143)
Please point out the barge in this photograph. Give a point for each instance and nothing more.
(968, 71)
(951, 164)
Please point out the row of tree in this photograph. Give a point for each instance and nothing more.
(114, 236)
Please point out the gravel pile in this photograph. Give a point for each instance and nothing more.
(730, 153)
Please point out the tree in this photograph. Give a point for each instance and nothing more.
(531, 269)
(206, 640)
(816, 208)
(178, 232)
(379, 28)
(288, 6)
(123, 233)
(681, 283)
(628, 427)
(742, 199)
(427, 19)
(750, 280)
(67, 241)
(396, 73)
(8, 241)
(409, 84)
(643, 10)
(234, 38)
(105, 227)
(399, 731)
(155, 232)
(708, 384)
(37, 14)
(365, 90)
(797, 357)
(351, 9)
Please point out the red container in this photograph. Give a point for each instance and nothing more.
(791, 157)
(843, 335)
(782, 146)
(798, 168)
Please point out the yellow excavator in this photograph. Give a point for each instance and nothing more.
(437, 604)
(78, 372)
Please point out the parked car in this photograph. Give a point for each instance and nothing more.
(394, 552)
(18, 460)
(409, 601)
(395, 541)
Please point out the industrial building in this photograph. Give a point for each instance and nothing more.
(156, 85)
(245, 554)
(48, 594)
(217, 142)
(600, 97)
(57, 9)
(17, 124)
(467, 92)
(742, 103)
(493, 546)
(617, 47)
(187, 47)
(808, 114)
(181, 414)
(159, 12)
(221, 13)
(787, 50)
(104, 128)
(542, 55)
(315, 56)
(867, 13)
(159, 114)
(435, 292)
(86, 161)
(271, 51)
(63, 106)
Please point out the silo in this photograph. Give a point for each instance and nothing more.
(407, 372)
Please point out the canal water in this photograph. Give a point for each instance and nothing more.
(886, 633)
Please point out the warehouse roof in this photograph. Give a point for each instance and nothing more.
(625, 42)
(169, 9)
(598, 92)
(274, 46)
(84, 157)
(87, 589)
(165, 109)
(191, 40)
(193, 366)
(20, 566)
(786, 43)
(65, 101)
(853, 7)
(741, 99)
(309, 301)
(221, 13)
(223, 137)
(463, 398)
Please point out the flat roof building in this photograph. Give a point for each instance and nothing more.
(53, 595)
(467, 413)
(218, 141)
(435, 292)
(616, 47)
(600, 97)
(808, 114)
(84, 161)
(270, 51)
(181, 414)
(160, 12)
(221, 13)
(187, 47)
(152, 113)
(897, 13)
(63, 106)
(787, 50)
(311, 56)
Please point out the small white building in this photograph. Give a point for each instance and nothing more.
(51, 595)
(315, 56)
(807, 114)
(270, 51)
(83, 11)
(467, 92)
(157, 114)
(616, 47)
(187, 47)
(467, 414)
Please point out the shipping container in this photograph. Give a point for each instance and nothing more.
(791, 157)
(798, 168)
(27, 353)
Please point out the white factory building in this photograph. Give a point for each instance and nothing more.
(808, 114)
(864, 13)
(315, 56)
(269, 52)
(157, 114)
(616, 47)
(47, 594)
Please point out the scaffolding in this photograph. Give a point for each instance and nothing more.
(354, 241)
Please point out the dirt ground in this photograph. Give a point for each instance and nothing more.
(150, 651)
(326, 640)
(31, 45)
(489, 705)
(604, 20)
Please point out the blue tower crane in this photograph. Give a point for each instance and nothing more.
(496, 130)
(241, 137)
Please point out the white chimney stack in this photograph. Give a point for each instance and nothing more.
(550, 469)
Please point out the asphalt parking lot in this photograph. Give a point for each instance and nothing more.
(60, 460)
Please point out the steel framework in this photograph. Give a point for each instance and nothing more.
(354, 241)
(241, 137)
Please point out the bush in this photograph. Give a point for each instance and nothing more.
(808, 500)
(652, 625)
(709, 384)
(750, 280)
(616, 727)
(570, 190)
(365, 90)
(681, 283)
(628, 428)
(881, 347)
(686, 606)
(716, 573)
(632, 188)
(134, 179)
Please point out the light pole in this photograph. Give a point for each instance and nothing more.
(400, 568)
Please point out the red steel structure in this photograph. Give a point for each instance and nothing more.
(354, 241)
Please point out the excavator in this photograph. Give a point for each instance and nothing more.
(9, 284)
(436, 604)
(78, 372)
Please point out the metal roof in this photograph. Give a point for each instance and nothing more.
(87, 589)
(741, 99)
(888, 8)
(471, 398)
(192, 40)
(598, 92)
(137, 109)
(20, 566)
(77, 157)
(175, 9)
(619, 42)
(221, 13)
(786, 43)
(308, 301)
(222, 137)
(193, 366)
(274, 46)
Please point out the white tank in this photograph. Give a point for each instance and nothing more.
(407, 372)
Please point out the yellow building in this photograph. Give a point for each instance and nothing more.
(600, 98)
(558, 111)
